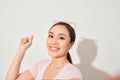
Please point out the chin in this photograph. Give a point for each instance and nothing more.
(53, 55)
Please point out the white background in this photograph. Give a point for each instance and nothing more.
(97, 25)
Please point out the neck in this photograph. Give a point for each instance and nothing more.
(58, 63)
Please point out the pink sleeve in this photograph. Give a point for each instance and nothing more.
(34, 69)
(74, 72)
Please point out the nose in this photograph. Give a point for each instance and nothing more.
(54, 41)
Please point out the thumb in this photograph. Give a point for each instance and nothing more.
(30, 38)
(29, 42)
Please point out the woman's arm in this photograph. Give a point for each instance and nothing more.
(13, 72)
(26, 75)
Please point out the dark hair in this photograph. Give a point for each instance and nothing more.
(71, 34)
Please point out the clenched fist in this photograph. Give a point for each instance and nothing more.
(25, 43)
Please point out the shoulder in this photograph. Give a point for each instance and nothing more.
(73, 71)
(72, 68)
(40, 64)
(34, 70)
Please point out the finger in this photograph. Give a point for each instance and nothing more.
(31, 37)
(25, 40)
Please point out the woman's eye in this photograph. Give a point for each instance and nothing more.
(50, 36)
(62, 38)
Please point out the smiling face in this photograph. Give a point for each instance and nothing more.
(58, 41)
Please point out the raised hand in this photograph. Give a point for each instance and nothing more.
(25, 43)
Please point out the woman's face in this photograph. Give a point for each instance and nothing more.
(58, 41)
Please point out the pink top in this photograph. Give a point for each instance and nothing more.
(67, 72)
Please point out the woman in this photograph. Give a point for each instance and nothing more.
(61, 37)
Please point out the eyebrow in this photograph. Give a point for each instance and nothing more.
(58, 34)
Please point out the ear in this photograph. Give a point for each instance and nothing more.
(71, 44)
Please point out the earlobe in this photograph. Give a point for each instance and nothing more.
(71, 44)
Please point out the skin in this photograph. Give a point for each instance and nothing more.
(116, 77)
(58, 44)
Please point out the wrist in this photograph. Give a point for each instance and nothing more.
(21, 51)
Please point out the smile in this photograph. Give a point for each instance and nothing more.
(54, 48)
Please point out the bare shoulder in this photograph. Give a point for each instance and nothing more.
(26, 75)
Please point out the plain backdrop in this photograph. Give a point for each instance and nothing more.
(96, 22)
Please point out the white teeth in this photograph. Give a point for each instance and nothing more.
(54, 48)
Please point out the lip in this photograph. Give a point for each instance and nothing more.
(54, 49)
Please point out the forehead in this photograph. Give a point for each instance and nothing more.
(59, 29)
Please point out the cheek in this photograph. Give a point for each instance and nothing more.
(65, 45)
(47, 42)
